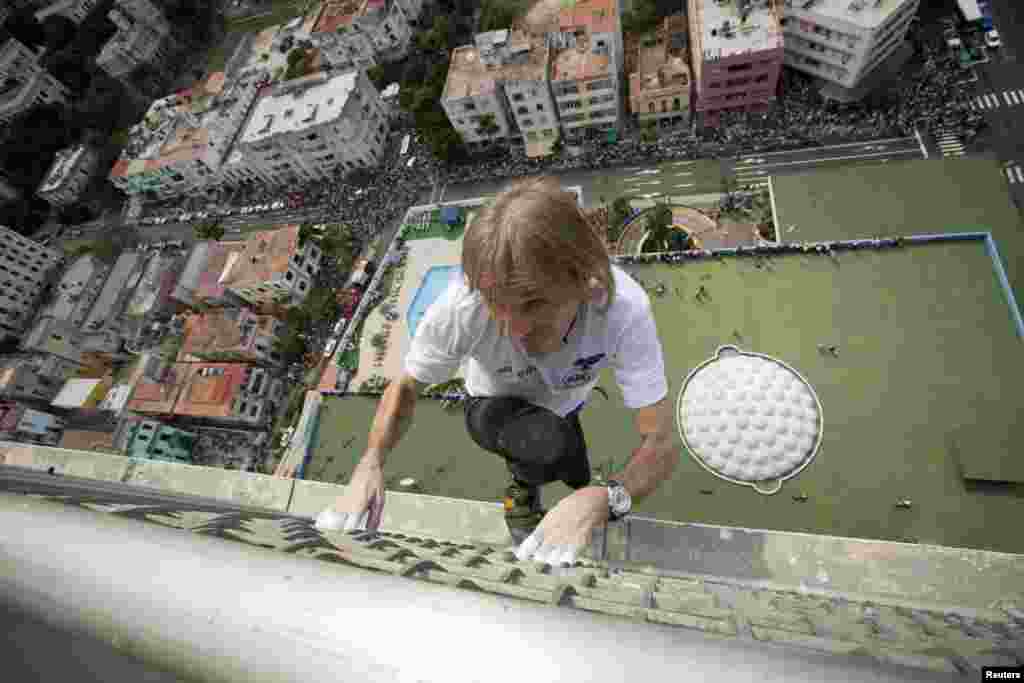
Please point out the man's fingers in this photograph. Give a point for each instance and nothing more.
(530, 545)
(568, 555)
(331, 520)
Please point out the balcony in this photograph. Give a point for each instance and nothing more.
(283, 601)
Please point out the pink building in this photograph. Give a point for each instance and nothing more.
(737, 53)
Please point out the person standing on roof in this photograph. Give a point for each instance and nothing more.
(539, 312)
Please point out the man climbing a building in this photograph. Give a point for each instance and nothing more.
(539, 312)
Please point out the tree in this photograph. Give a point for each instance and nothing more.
(376, 75)
(659, 228)
(489, 126)
(648, 132)
(305, 233)
(498, 14)
(617, 217)
(208, 230)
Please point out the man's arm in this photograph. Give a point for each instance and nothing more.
(655, 460)
(394, 415)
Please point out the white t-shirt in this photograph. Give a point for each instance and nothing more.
(457, 328)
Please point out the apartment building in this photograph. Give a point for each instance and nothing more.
(659, 75)
(153, 440)
(736, 53)
(34, 377)
(220, 393)
(843, 41)
(498, 88)
(231, 335)
(144, 36)
(18, 422)
(586, 64)
(75, 10)
(358, 34)
(271, 267)
(304, 129)
(24, 83)
(183, 139)
(70, 174)
(25, 268)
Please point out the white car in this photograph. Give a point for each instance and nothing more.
(992, 39)
(279, 204)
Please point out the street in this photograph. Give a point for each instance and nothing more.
(677, 180)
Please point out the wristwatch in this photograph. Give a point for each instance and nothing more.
(619, 501)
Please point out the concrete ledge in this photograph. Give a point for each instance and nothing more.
(88, 464)
(907, 575)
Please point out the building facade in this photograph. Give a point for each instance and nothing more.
(358, 34)
(737, 55)
(25, 268)
(231, 335)
(34, 377)
(70, 174)
(843, 41)
(143, 36)
(272, 268)
(659, 79)
(24, 83)
(182, 142)
(307, 128)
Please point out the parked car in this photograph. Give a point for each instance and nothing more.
(992, 39)
(279, 204)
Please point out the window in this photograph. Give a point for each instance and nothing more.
(517, 97)
(540, 107)
(522, 110)
(302, 286)
(739, 67)
(469, 106)
(675, 104)
(527, 123)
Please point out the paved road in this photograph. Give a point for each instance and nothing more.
(675, 180)
(999, 94)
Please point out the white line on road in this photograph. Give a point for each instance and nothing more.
(920, 142)
(684, 185)
(815, 149)
(1020, 174)
(649, 171)
(744, 172)
(1007, 98)
(847, 158)
(681, 163)
(650, 182)
(679, 173)
(1013, 96)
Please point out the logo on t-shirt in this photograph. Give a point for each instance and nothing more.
(582, 371)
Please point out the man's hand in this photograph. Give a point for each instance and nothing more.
(566, 529)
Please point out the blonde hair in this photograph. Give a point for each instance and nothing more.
(531, 237)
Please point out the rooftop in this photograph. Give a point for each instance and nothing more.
(597, 16)
(579, 63)
(263, 255)
(525, 59)
(213, 262)
(864, 13)
(211, 389)
(63, 164)
(221, 331)
(336, 13)
(723, 35)
(299, 104)
(115, 290)
(155, 284)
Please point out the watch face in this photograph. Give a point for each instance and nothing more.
(618, 499)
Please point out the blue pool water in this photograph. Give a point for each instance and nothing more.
(434, 283)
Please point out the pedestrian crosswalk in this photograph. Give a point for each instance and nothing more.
(994, 100)
(1014, 174)
(950, 143)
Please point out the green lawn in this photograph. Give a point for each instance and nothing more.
(281, 12)
(923, 377)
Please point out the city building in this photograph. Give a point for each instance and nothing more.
(231, 335)
(106, 312)
(358, 34)
(144, 37)
(81, 394)
(184, 138)
(53, 336)
(586, 63)
(736, 52)
(26, 267)
(75, 10)
(19, 422)
(221, 393)
(34, 377)
(152, 440)
(842, 42)
(24, 83)
(271, 267)
(498, 88)
(659, 75)
(306, 128)
(70, 174)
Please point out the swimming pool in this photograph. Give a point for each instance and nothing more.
(435, 281)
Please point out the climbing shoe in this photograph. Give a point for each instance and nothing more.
(522, 510)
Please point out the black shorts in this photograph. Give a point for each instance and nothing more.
(539, 446)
